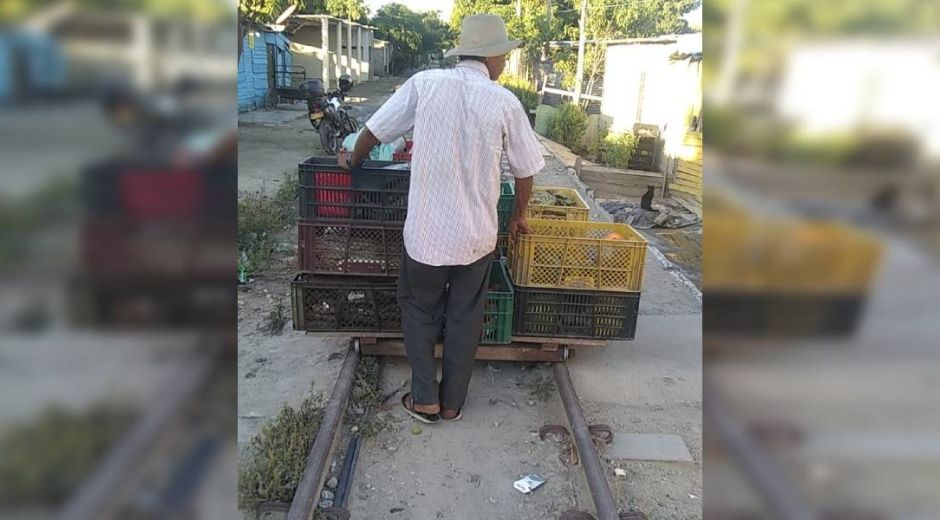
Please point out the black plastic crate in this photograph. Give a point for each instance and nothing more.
(370, 194)
(344, 304)
(781, 315)
(349, 247)
(575, 314)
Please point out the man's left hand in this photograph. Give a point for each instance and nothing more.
(343, 162)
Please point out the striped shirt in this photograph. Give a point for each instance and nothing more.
(462, 122)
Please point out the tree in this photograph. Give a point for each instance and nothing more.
(607, 19)
(260, 11)
(414, 36)
(350, 9)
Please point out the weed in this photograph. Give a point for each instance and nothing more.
(258, 222)
(278, 454)
(567, 126)
(522, 90)
(541, 388)
(286, 198)
(44, 461)
(274, 323)
(617, 149)
(260, 218)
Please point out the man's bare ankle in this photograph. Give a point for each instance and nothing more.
(427, 408)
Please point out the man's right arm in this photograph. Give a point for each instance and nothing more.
(525, 160)
(397, 116)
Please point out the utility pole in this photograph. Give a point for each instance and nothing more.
(518, 8)
(579, 74)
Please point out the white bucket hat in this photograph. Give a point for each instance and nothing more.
(483, 35)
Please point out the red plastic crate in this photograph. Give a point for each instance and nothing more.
(406, 155)
(349, 248)
(161, 194)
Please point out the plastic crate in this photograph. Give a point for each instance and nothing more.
(404, 156)
(507, 200)
(370, 194)
(575, 314)
(497, 314)
(147, 248)
(579, 255)
(146, 191)
(789, 315)
(340, 247)
(746, 253)
(344, 304)
(579, 212)
(502, 245)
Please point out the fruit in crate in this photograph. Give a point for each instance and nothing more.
(613, 235)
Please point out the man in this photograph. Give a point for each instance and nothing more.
(462, 122)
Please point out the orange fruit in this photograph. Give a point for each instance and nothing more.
(613, 235)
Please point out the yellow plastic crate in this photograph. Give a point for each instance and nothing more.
(579, 212)
(822, 257)
(579, 255)
(745, 253)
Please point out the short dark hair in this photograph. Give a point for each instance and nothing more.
(481, 59)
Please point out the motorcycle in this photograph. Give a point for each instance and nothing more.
(329, 113)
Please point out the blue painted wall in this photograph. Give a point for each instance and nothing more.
(45, 66)
(253, 67)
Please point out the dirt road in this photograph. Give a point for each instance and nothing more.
(271, 144)
(466, 469)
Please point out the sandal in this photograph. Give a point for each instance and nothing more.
(426, 418)
(454, 418)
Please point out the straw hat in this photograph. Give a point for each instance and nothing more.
(483, 35)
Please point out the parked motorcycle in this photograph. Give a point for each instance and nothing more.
(329, 113)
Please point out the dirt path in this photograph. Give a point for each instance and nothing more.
(271, 144)
(465, 470)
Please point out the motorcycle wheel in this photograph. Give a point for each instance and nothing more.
(328, 138)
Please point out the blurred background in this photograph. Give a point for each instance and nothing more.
(821, 249)
(117, 259)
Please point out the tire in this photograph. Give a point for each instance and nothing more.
(328, 138)
(271, 100)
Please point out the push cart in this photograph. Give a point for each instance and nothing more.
(287, 81)
(557, 351)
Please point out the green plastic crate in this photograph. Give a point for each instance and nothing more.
(507, 200)
(497, 315)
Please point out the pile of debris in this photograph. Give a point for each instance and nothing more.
(666, 214)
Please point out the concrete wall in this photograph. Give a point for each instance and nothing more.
(307, 43)
(643, 85)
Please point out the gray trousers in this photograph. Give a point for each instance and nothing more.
(426, 295)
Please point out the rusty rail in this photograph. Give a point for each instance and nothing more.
(308, 491)
(581, 432)
(779, 494)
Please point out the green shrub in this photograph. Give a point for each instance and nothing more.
(617, 149)
(567, 126)
(523, 90)
(46, 459)
(594, 136)
(259, 219)
(278, 454)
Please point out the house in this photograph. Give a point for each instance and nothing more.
(328, 47)
(266, 53)
(31, 64)
(657, 82)
(841, 86)
(141, 50)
